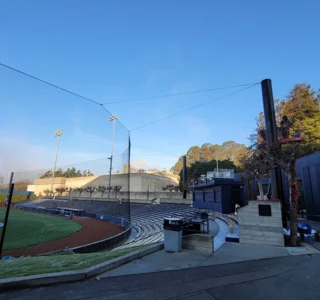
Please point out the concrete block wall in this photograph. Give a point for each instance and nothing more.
(260, 230)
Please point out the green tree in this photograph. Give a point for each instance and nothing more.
(47, 174)
(201, 168)
(229, 150)
(302, 107)
(69, 173)
(58, 173)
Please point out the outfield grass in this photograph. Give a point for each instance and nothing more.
(57, 263)
(16, 197)
(28, 229)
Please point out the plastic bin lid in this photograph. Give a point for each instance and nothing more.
(173, 219)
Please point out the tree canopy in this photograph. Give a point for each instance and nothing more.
(69, 173)
(201, 168)
(228, 151)
(302, 107)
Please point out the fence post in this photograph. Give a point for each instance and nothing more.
(7, 216)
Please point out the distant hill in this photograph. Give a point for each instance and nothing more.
(229, 150)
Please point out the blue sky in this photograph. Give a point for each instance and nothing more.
(122, 50)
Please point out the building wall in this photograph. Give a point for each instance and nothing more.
(308, 168)
(153, 183)
(139, 182)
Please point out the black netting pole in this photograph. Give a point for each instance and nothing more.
(184, 176)
(7, 216)
(129, 170)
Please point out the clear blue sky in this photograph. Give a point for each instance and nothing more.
(119, 50)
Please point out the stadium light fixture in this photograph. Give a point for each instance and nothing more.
(57, 133)
(113, 119)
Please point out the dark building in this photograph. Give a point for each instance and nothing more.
(220, 195)
(308, 169)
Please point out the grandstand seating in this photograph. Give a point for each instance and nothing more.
(146, 220)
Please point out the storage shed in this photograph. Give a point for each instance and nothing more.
(220, 195)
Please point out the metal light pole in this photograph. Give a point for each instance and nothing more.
(113, 118)
(58, 133)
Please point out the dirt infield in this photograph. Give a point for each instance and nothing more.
(93, 230)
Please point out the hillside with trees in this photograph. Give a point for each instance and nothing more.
(69, 173)
(199, 168)
(228, 154)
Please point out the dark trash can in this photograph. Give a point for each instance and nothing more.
(172, 234)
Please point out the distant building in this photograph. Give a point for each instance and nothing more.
(139, 182)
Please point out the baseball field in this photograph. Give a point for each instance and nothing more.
(26, 229)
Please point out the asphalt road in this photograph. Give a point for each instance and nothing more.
(294, 277)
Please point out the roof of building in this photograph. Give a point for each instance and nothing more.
(217, 182)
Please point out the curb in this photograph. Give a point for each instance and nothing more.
(71, 276)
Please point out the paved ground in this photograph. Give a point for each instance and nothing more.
(293, 277)
(227, 253)
(93, 230)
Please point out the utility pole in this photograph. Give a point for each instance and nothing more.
(113, 118)
(272, 138)
(58, 133)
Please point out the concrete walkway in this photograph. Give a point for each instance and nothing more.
(291, 277)
(227, 253)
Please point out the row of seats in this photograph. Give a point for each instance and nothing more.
(147, 220)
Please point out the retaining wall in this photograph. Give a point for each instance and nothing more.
(135, 197)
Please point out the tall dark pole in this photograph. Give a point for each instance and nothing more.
(129, 175)
(10, 181)
(7, 216)
(184, 176)
(272, 138)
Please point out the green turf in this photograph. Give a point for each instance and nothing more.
(16, 197)
(28, 229)
(57, 263)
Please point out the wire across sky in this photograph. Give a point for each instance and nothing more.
(245, 87)
(193, 107)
